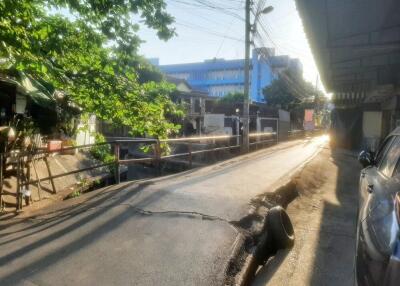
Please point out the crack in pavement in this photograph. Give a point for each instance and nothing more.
(203, 216)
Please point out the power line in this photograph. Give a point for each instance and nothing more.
(198, 15)
(209, 5)
(292, 85)
(226, 10)
(213, 6)
(223, 40)
(281, 47)
(205, 30)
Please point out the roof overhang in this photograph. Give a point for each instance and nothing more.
(356, 44)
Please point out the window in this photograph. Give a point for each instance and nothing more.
(391, 157)
(396, 172)
(382, 150)
(184, 76)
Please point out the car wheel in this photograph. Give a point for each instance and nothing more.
(280, 227)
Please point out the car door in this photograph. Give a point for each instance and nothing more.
(369, 175)
(377, 219)
(381, 194)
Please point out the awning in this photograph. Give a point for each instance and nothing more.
(33, 89)
(356, 44)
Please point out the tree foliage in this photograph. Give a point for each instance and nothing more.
(291, 92)
(233, 97)
(90, 53)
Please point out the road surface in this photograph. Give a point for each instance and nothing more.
(176, 230)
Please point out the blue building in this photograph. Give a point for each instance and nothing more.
(219, 77)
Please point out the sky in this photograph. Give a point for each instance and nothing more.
(206, 33)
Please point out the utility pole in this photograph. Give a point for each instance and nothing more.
(246, 101)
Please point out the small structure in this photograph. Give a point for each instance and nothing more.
(34, 118)
(32, 107)
(195, 102)
(26, 108)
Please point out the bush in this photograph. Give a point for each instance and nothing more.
(102, 152)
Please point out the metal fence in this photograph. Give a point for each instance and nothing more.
(157, 152)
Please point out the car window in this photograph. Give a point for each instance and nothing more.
(382, 149)
(390, 158)
(396, 172)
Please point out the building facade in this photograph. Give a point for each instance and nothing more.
(219, 77)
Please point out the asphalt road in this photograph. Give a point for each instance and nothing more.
(170, 231)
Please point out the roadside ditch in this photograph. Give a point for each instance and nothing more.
(255, 245)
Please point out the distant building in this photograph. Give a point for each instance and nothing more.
(281, 63)
(219, 77)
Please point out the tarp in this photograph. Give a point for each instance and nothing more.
(37, 92)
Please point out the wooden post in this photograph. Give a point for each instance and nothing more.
(50, 174)
(28, 171)
(117, 164)
(25, 178)
(1, 181)
(38, 179)
(18, 199)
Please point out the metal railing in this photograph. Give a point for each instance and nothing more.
(159, 155)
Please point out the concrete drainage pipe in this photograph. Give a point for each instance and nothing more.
(280, 228)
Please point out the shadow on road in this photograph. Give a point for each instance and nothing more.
(20, 239)
(335, 248)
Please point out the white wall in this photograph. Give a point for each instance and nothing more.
(214, 123)
(372, 124)
(84, 137)
(372, 129)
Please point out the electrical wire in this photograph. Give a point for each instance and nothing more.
(295, 87)
(209, 5)
(229, 10)
(205, 30)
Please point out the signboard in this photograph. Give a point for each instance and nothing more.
(309, 119)
(214, 123)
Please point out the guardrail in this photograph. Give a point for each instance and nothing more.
(157, 156)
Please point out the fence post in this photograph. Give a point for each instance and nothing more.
(18, 199)
(158, 156)
(277, 131)
(117, 164)
(190, 155)
(238, 131)
(50, 174)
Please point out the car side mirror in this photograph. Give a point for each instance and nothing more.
(366, 158)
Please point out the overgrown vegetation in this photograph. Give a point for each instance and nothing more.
(102, 152)
(88, 50)
(74, 194)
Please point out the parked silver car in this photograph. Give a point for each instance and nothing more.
(378, 243)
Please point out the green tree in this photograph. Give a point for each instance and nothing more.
(291, 92)
(232, 97)
(91, 56)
